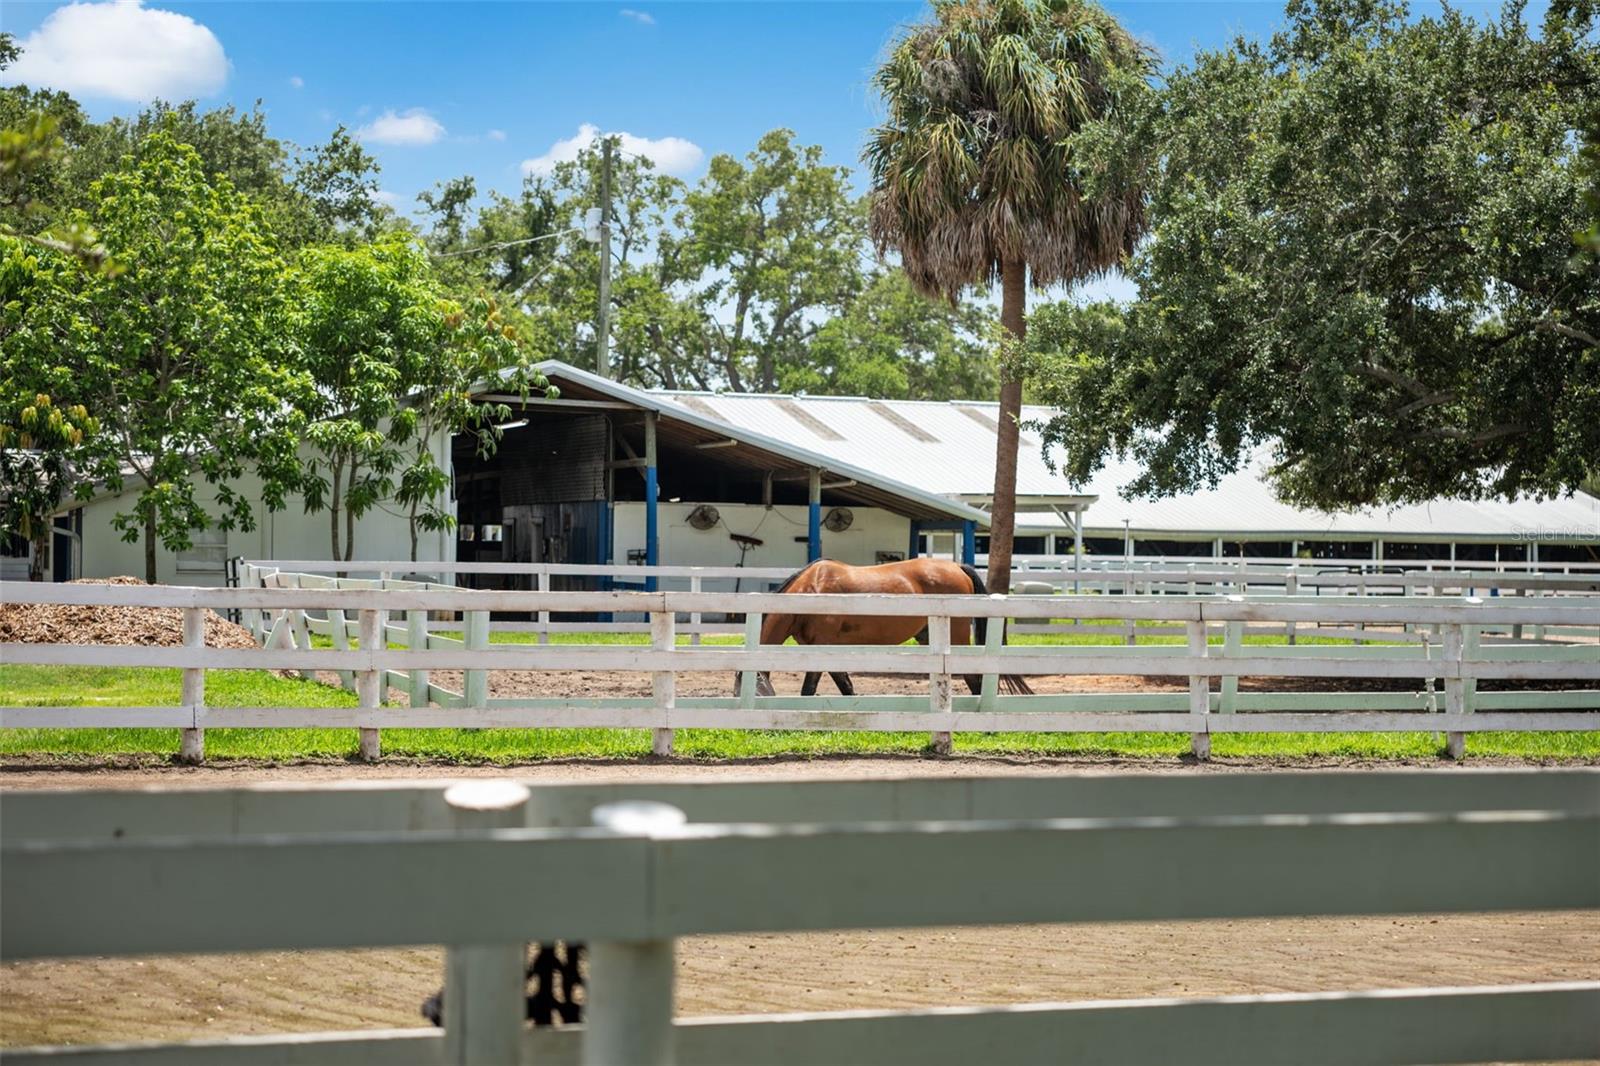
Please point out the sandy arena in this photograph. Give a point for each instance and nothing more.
(96, 1000)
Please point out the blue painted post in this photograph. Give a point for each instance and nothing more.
(814, 522)
(969, 542)
(652, 544)
(915, 547)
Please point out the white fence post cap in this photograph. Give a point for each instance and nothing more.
(487, 795)
(638, 817)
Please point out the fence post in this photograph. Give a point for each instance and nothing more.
(993, 638)
(628, 1004)
(192, 748)
(369, 683)
(1455, 743)
(544, 616)
(339, 634)
(484, 1000)
(747, 680)
(1199, 687)
(1232, 645)
(300, 636)
(696, 584)
(939, 680)
(663, 683)
(1291, 587)
(417, 640)
(475, 635)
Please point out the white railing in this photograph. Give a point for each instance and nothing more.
(484, 868)
(1444, 669)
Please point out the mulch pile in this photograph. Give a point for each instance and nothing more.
(54, 623)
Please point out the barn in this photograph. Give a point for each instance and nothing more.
(609, 473)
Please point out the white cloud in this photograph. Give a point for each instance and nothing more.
(413, 127)
(121, 50)
(496, 135)
(674, 155)
(644, 18)
(297, 82)
(384, 196)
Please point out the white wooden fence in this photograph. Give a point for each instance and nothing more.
(484, 868)
(1059, 577)
(1445, 669)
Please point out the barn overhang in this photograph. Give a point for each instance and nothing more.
(683, 438)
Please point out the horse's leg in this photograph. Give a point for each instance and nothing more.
(843, 681)
(961, 635)
(809, 686)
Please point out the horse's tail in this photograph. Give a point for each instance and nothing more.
(1014, 684)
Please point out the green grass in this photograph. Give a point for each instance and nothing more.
(106, 686)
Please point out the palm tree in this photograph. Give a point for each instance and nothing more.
(974, 177)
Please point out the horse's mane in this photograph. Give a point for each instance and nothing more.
(792, 578)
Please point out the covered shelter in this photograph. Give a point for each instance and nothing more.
(607, 473)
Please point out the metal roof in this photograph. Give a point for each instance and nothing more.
(891, 436)
(786, 444)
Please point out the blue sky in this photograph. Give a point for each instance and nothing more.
(440, 90)
(480, 88)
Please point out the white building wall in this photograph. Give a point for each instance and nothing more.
(292, 533)
(874, 530)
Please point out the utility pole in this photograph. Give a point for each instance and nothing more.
(603, 323)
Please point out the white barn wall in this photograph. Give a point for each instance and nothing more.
(291, 533)
(873, 530)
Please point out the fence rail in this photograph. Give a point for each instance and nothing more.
(1456, 652)
(636, 876)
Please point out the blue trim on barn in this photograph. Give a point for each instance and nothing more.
(652, 540)
(814, 533)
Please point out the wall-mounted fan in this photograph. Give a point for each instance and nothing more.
(704, 517)
(838, 520)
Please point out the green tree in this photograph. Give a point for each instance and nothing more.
(339, 181)
(187, 351)
(1362, 251)
(891, 342)
(975, 177)
(769, 245)
(480, 348)
(369, 321)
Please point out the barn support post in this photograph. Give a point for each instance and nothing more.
(969, 543)
(475, 637)
(939, 680)
(652, 520)
(192, 749)
(628, 998)
(814, 518)
(417, 640)
(484, 998)
(369, 682)
(914, 548)
(663, 683)
(1199, 688)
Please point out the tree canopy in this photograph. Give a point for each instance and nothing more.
(1361, 256)
(976, 175)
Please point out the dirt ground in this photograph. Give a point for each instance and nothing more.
(185, 997)
(179, 997)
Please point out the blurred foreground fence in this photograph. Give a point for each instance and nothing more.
(486, 867)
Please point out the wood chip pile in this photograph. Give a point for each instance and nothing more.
(54, 623)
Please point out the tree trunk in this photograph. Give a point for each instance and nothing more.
(1003, 513)
(150, 545)
(41, 554)
(334, 497)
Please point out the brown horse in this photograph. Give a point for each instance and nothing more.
(911, 577)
